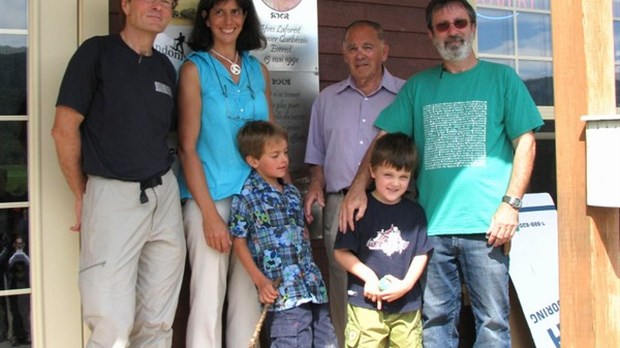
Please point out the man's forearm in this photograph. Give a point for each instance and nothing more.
(66, 134)
(523, 164)
(70, 164)
(317, 178)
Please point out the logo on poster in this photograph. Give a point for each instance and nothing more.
(173, 48)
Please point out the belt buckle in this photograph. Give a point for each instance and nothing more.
(147, 184)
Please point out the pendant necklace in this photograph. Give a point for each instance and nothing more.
(234, 68)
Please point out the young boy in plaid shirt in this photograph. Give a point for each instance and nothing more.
(267, 224)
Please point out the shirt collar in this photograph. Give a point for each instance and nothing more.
(261, 184)
(388, 82)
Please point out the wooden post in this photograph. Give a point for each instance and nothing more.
(589, 245)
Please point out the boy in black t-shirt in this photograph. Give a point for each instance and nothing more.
(386, 254)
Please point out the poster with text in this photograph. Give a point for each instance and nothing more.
(534, 268)
(173, 41)
(292, 57)
(291, 29)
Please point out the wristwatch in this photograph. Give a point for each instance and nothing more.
(512, 201)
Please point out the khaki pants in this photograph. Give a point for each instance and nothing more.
(337, 289)
(216, 277)
(131, 262)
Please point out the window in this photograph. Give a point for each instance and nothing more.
(518, 33)
(14, 231)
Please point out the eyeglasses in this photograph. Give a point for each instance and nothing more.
(445, 26)
(163, 3)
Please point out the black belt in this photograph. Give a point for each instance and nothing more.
(147, 184)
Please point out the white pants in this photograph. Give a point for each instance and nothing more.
(131, 262)
(337, 290)
(215, 277)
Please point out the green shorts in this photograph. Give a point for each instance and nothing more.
(372, 328)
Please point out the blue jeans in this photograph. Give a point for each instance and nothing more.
(305, 326)
(484, 271)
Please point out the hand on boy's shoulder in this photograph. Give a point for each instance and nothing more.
(348, 228)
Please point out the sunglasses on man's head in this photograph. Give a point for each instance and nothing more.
(445, 26)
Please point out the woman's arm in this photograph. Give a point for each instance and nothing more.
(190, 110)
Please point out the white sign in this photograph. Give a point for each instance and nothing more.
(292, 35)
(292, 57)
(173, 41)
(534, 268)
(292, 94)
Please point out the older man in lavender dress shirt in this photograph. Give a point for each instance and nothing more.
(341, 129)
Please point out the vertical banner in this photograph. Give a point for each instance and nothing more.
(173, 41)
(292, 57)
(534, 268)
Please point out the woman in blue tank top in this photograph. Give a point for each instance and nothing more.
(221, 87)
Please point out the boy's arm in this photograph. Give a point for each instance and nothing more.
(398, 288)
(353, 265)
(266, 292)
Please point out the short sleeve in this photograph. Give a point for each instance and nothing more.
(398, 116)
(81, 78)
(522, 115)
(348, 241)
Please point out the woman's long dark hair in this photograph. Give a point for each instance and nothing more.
(250, 38)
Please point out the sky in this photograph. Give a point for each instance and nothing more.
(13, 15)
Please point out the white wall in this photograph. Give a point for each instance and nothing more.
(56, 31)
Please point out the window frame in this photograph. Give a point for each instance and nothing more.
(547, 111)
